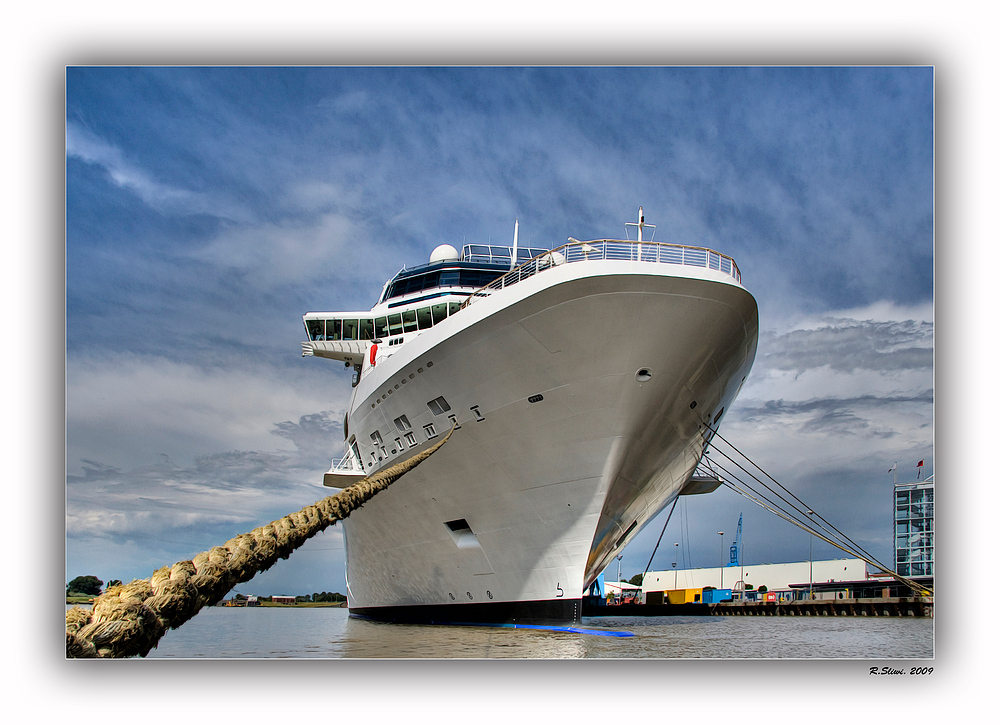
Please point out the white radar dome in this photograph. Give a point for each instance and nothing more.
(444, 253)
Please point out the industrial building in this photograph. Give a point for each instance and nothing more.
(739, 578)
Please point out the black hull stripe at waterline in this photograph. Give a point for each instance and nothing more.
(537, 612)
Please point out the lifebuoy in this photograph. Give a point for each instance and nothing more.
(371, 355)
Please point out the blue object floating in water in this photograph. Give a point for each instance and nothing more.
(552, 628)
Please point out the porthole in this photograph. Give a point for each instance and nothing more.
(643, 374)
(535, 398)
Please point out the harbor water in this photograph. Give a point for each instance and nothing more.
(322, 633)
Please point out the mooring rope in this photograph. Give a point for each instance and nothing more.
(662, 531)
(129, 620)
(803, 518)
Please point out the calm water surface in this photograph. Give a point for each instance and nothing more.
(266, 632)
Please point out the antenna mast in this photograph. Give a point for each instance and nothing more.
(513, 256)
(640, 225)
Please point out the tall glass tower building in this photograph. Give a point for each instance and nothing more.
(914, 521)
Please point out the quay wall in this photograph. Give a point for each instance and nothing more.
(873, 607)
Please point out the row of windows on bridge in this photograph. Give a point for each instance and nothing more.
(378, 328)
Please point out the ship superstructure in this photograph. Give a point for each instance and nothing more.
(583, 383)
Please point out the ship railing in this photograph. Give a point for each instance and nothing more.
(347, 464)
(614, 250)
(493, 254)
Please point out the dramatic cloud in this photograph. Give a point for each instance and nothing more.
(88, 147)
(853, 345)
(190, 508)
(847, 384)
(127, 409)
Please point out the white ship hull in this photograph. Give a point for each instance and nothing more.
(525, 505)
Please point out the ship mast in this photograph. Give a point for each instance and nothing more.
(640, 225)
(513, 256)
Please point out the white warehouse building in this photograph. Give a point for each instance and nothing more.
(772, 576)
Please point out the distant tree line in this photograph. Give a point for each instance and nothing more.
(314, 597)
(325, 597)
(92, 586)
(89, 585)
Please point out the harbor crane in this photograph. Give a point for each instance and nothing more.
(736, 548)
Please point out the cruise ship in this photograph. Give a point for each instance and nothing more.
(582, 385)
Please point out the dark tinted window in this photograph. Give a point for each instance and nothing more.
(350, 330)
(446, 278)
(367, 330)
(333, 329)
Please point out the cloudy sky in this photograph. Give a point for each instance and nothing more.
(208, 208)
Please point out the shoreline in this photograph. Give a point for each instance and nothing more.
(89, 601)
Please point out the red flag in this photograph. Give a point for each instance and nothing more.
(920, 464)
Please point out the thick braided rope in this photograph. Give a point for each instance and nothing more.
(128, 620)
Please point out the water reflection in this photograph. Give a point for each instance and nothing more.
(367, 639)
(321, 633)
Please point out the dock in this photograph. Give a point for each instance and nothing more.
(856, 607)
(867, 607)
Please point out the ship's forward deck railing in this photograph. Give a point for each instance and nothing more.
(347, 464)
(613, 249)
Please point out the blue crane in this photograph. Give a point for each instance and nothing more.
(734, 550)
